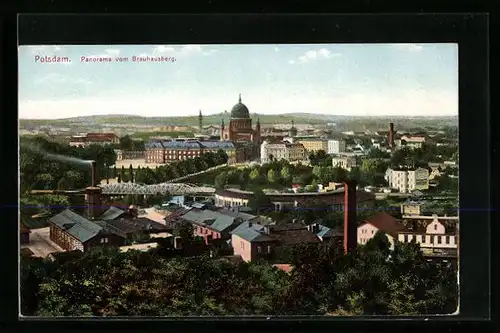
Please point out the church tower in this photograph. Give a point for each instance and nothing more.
(200, 121)
(222, 129)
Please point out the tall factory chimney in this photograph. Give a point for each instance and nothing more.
(350, 224)
(93, 196)
(95, 181)
(390, 136)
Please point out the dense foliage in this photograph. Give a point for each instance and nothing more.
(372, 280)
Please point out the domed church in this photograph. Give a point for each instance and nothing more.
(240, 127)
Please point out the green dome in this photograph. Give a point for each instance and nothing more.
(240, 110)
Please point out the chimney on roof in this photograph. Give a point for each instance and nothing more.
(350, 227)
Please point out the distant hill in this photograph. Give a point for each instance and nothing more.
(302, 118)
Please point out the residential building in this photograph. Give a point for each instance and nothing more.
(254, 241)
(436, 242)
(74, 232)
(345, 161)
(406, 180)
(313, 144)
(282, 151)
(336, 146)
(412, 142)
(214, 225)
(114, 227)
(411, 208)
(380, 222)
(129, 154)
(94, 139)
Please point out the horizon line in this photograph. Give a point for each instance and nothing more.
(252, 114)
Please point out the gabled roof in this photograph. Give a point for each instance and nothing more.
(251, 233)
(112, 213)
(76, 225)
(325, 232)
(222, 223)
(295, 236)
(386, 223)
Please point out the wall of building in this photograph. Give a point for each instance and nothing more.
(242, 248)
(367, 231)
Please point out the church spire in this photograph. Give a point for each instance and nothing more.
(239, 100)
(200, 121)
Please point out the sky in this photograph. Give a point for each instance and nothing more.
(336, 79)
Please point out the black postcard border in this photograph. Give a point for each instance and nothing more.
(470, 31)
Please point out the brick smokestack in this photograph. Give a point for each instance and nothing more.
(350, 224)
(93, 196)
(390, 136)
(95, 181)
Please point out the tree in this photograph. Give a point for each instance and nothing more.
(286, 174)
(126, 143)
(131, 173)
(221, 180)
(254, 174)
(259, 202)
(272, 176)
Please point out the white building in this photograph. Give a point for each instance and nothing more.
(336, 146)
(412, 142)
(408, 180)
(282, 151)
(345, 161)
(435, 236)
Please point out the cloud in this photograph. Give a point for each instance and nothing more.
(312, 55)
(408, 47)
(55, 78)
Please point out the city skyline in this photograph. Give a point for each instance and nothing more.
(336, 79)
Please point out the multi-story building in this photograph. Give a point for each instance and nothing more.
(434, 240)
(345, 161)
(413, 142)
(336, 146)
(282, 151)
(94, 139)
(406, 180)
(167, 151)
(313, 144)
(129, 154)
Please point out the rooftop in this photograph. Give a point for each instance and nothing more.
(76, 225)
(386, 223)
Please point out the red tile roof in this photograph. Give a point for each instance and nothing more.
(287, 268)
(386, 223)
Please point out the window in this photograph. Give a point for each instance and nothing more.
(439, 240)
(242, 245)
(259, 249)
(269, 249)
(447, 239)
(104, 240)
(373, 231)
(435, 227)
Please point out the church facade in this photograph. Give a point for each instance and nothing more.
(241, 132)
